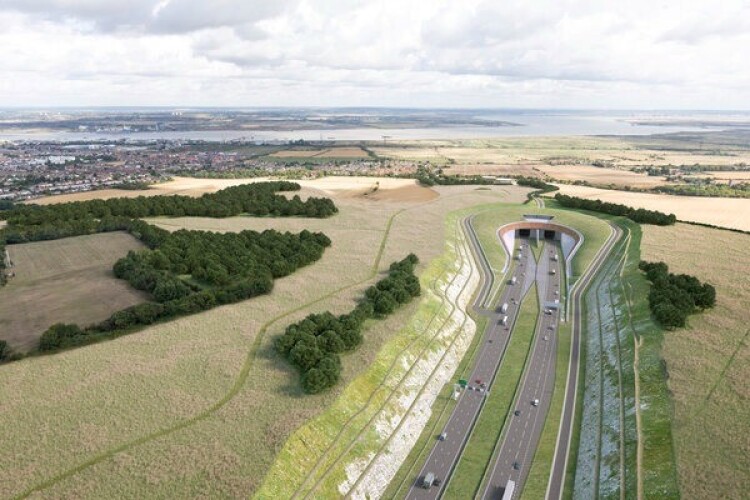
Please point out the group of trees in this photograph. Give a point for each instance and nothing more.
(259, 199)
(639, 215)
(673, 297)
(185, 271)
(191, 271)
(736, 190)
(427, 177)
(313, 345)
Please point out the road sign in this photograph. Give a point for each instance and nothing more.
(462, 382)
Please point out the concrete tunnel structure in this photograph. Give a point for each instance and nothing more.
(541, 227)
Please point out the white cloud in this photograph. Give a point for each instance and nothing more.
(515, 53)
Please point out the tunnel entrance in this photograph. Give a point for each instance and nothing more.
(524, 233)
(549, 235)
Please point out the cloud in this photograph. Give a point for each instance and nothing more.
(567, 53)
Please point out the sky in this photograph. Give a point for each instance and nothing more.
(598, 54)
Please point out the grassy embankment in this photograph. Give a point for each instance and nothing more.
(488, 219)
(314, 459)
(616, 309)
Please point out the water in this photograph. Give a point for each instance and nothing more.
(528, 124)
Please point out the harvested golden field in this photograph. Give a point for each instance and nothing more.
(601, 176)
(199, 406)
(726, 177)
(189, 186)
(530, 155)
(709, 361)
(724, 212)
(341, 152)
(495, 169)
(68, 281)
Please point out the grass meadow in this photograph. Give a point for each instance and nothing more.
(68, 280)
(708, 363)
(201, 405)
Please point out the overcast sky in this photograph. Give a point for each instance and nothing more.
(623, 54)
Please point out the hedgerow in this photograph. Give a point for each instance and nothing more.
(639, 215)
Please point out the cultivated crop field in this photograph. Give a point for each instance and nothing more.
(600, 175)
(199, 406)
(723, 212)
(709, 361)
(383, 187)
(68, 280)
(341, 152)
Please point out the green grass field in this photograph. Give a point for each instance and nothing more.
(707, 364)
(68, 280)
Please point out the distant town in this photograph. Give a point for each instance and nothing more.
(30, 170)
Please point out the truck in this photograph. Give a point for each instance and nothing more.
(510, 488)
(504, 308)
(427, 480)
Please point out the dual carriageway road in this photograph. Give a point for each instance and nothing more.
(515, 450)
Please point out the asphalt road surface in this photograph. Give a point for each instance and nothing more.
(445, 453)
(513, 460)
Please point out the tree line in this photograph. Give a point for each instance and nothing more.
(186, 272)
(639, 215)
(427, 177)
(540, 186)
(313, 345)
(673, 297)
(259, 199)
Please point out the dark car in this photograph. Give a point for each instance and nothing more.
(437, 482)
(517, 412)
(516, 465)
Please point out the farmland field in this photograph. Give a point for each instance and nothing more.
(723, 212)
(339, 152)
(158, 412)
(709, 361)
(68, 280)
(333, 186)
(623, 152)
(598, 175)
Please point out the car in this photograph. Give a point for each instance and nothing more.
(437, 482)
(480, 389)
(442, 436)
(546, 337)
(535, 402)
(478, 381)
(483, 385)
(517, 412)
(516, 465)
